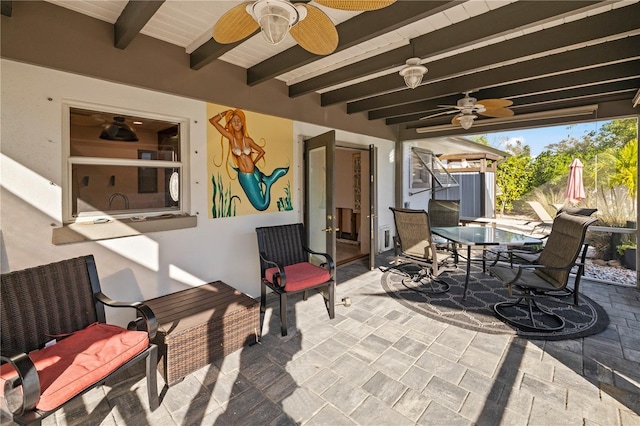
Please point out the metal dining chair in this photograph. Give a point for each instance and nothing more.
(547, 279)
(415, 245)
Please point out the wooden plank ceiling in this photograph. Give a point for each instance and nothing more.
(546, 57)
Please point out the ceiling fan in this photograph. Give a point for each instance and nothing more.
(468, 108)
(311, 28)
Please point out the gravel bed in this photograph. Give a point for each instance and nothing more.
(614, 274)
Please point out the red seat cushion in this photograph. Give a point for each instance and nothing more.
(300, 276)
(79, 361)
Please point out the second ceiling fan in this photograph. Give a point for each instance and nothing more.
(468, 108)
(311, 28)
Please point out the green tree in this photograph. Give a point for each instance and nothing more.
(513, 177)
(616, 133)
(483, 139)
(626, 169)
(549, 167)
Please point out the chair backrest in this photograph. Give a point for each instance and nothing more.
(563, 247)
(414, 233)
(444, 212)
(284, 244)
(540, 211)
(580, 211)
(48, 300)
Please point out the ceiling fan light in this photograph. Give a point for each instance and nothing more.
(119, 130)
(413, 72)
(466, 121)
(276, 17)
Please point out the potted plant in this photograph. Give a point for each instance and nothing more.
(628, 252)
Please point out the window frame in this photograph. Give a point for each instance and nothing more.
(69, 161)
(428, 164)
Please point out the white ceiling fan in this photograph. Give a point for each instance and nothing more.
(468, 108)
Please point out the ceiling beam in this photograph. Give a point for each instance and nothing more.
(133, 18)
(210, 51)
(477, 29)
(571, 97)
(356, 30)
(515, 91)
(607, 110)
(584, 30)
(588, 57)
(6, 7)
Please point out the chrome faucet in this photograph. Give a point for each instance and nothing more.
(119, 194)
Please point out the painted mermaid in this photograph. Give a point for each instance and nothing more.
(256, 185)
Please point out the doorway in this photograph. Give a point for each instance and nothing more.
(352, 203)
(340, 198)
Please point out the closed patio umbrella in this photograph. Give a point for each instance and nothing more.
(575, 188)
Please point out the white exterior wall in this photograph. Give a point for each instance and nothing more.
(139, 267)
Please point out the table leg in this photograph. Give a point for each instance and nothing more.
(466, 279)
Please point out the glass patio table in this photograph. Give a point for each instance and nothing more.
(481, 236)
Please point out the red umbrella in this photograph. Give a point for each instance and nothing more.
(575, 189)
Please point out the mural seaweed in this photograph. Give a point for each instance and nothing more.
(284, 203)
(223, 202)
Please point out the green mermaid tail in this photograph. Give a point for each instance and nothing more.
(257, 186)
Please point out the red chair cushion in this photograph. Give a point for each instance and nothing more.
(300, 276)
(80, 360)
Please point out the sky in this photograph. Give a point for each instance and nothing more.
(539, 138)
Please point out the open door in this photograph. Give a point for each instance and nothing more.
(319, 198)
(373, 216)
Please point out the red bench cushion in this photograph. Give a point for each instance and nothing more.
(300, 276)
(80, 360)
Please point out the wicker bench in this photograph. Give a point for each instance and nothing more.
(201, 324)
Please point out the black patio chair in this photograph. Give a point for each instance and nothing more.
(286, 268)
(547, 279)
(414, 244)
(57, 344)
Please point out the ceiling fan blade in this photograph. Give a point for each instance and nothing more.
(456, 120)
(316, 33)
(495, 103)
(448, 106)
(497, 112)
(439, 114)
(235, 25)
(356, 5)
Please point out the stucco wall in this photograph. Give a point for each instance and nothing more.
(138, 267)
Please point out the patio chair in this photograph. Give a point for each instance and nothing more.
(546, 220)
(531, 256)
(543, 280)
(415, 245)
(286, 268)
(444, 213)
(56, 344)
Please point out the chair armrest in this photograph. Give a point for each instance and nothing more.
(27, 378)
(146, 312)
(328, 259)
(522, 268)
(280, 277)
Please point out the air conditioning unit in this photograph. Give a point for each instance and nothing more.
(385, 240)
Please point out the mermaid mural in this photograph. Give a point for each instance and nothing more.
(245, 153)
